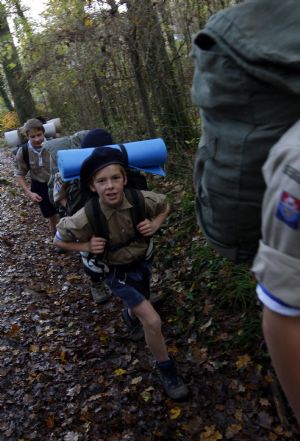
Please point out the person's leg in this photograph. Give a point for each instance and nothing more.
(48, 210)
(166, 367)
(132, 286)
(53, 221)
(282, 335)
(96, 271)
(152, 328)
(142, 311)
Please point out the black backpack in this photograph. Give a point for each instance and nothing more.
(24, 147)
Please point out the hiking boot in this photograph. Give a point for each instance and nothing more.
(171, 381)
(134, 326)
(100, 292)
(60, 251)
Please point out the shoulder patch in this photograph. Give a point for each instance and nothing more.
(288, 210)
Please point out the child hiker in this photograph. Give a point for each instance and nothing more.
(126, 253)
(69, 199)
(38, 165)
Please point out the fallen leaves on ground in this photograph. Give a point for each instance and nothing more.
(68, 371)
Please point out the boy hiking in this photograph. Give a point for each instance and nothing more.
(126, 251)
(69, 199)
(32, 158)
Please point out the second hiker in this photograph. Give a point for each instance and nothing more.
(34, 159)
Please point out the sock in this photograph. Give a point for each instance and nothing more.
(134, 320)
(167, 366)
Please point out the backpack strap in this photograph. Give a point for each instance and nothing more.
(96, 217)
(25, 154)
(124, 153)
(138, 209)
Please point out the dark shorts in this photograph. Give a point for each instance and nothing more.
(131, 283)
(41, 188)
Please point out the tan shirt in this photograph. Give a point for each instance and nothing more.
(121, 228)
(277, 263)
(39, 164)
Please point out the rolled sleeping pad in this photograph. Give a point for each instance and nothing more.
(13, 138)
(56, 122)
(50, 130)
(148, 155)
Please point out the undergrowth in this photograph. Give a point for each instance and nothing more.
(203, 277)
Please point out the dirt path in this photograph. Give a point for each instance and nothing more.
(68, 372)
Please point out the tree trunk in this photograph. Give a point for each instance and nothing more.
(141, 86)
(167, 97)
(25, 25)
(102, 105)
(4, 95)
(137, 68)
(13, 71)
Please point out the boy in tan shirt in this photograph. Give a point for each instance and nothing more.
(38, 166)
(126, 251)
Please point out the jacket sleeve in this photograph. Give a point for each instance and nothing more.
(74, 228)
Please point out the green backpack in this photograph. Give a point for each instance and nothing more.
(64, 143)
(247, 85)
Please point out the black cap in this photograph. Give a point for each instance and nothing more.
(101, 157)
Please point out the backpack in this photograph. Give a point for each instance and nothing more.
(24, 147)
(64, 143)
(247, 85)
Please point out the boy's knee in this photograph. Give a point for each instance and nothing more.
(153, 323)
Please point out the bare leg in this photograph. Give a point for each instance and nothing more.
(282, 335)
(53, 221)
(152, 328)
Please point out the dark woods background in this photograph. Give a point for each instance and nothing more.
(123, 65)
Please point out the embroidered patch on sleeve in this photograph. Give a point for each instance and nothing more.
(288, 210)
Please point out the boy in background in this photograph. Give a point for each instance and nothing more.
(38, 166)
(126, 252)
(67, 196)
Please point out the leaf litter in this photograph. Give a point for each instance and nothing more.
(68, 371)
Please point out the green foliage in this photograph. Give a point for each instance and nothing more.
(204, 278)
(188, 204)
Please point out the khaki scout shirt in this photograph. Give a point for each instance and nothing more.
(277, 263)
(121, 228)
(38, 172)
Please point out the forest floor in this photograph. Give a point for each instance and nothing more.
(68, 371)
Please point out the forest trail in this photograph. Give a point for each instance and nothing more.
(69, 373)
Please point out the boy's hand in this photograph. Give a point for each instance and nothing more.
(97, 245)
(147, 227)
(35, 197)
